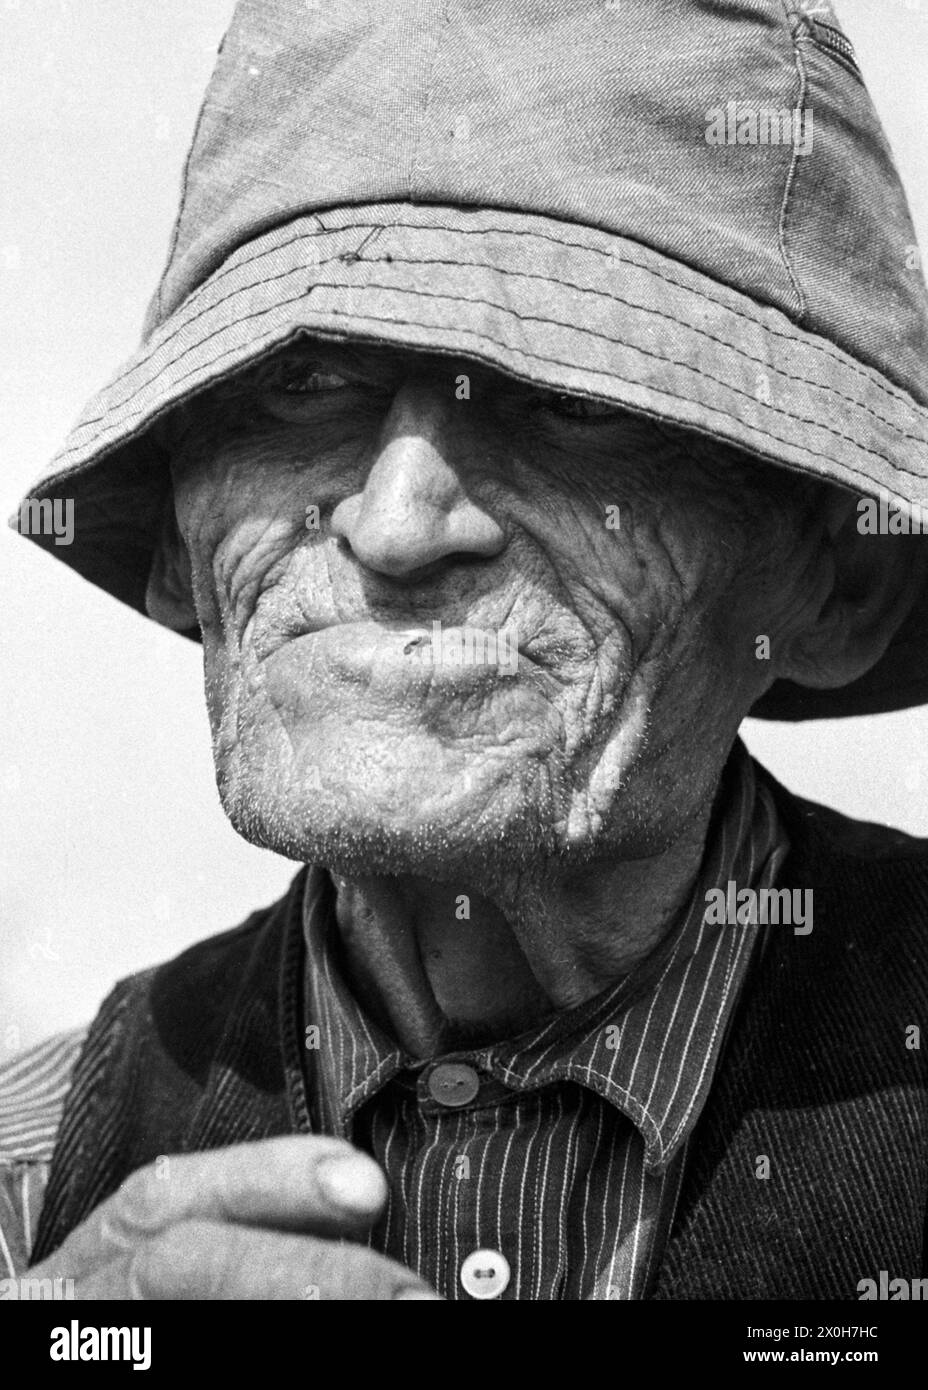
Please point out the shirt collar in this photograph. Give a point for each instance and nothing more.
(648, 1045)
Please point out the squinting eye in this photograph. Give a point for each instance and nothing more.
(579, 408)
(296, 389)
(302, 381)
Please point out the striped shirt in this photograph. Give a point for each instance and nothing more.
(567, 1159)
(546, 1166)
(33, 1087)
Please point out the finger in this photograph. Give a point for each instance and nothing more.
(196, 1260)
(297, 1182)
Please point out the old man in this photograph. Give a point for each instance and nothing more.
(500, 434)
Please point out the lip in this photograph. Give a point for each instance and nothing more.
(267, 643)
(400, 657)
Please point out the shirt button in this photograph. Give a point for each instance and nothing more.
(453, 1083)
(485, 1274)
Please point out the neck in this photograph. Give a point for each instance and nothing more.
(443, 965)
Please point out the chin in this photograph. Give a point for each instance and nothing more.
(402, 825)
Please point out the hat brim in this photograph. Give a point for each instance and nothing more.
(557, 304)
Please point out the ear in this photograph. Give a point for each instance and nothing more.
(169, 595)
(872, 582)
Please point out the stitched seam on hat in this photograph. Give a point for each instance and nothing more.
(566, 284)
(553, 361)
(821, 347)
(658, 313)
(603, 337)
(791, 180)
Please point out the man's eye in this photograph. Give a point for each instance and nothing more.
(296, 391)
(305, 381)
(579, 408)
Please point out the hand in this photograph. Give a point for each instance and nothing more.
(275, 1219)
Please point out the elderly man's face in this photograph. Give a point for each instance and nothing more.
(634, 575)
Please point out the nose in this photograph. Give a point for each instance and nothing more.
(413, 511)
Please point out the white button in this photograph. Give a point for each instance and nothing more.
(485, 1274)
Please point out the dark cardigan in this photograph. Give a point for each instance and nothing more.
(819, 1075)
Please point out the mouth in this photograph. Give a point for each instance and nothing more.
(400, 655)
(403, 659)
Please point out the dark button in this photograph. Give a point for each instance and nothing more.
(453, 1083)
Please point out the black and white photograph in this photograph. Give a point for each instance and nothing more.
(464, 752)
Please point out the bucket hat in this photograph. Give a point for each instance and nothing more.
(685, 207)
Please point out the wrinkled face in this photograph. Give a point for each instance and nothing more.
(451, 621)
